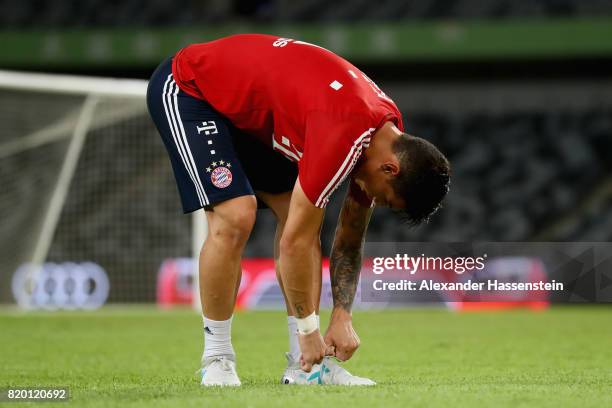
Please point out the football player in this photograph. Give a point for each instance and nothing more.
(260, 121)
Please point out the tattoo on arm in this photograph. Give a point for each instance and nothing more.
(345, 260)
(345, 264)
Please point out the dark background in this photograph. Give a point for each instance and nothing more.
(523, 111)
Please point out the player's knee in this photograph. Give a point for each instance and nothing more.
(292, 246)
(234, 226)
(233, 235)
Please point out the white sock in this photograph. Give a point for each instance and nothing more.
(218, 338)
(294, 344)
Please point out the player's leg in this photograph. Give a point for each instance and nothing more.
(209, 175)
(229, 226)
(279, 204)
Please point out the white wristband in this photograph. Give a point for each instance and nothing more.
(308, 324)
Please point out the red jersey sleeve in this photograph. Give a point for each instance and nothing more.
(332, 147)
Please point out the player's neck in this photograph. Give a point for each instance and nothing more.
(382, 140)
(379, 151)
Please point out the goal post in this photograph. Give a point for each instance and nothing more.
(85, 181)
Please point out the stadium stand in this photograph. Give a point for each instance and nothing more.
(99, 13)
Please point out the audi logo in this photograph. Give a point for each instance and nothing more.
(67, 285)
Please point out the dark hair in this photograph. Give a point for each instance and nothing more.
(423, 179)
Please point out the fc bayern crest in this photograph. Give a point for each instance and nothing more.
(221, 177)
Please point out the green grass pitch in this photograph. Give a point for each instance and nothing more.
(138, 357)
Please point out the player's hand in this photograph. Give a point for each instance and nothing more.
(313, 349)
(340, 334)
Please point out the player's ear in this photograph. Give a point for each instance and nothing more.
(390, 168)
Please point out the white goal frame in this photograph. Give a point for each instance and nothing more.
(92, 89)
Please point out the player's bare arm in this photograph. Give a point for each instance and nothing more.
(345, 265)
(298, 265)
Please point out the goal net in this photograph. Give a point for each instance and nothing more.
(87, 198)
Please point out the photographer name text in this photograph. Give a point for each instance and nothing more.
(490, 285)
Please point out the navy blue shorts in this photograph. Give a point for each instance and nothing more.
(212, 160)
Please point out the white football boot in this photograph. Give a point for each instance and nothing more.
(295, 375)
(328, 372)
(219, 371)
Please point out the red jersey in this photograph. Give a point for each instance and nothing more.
(304, 101)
